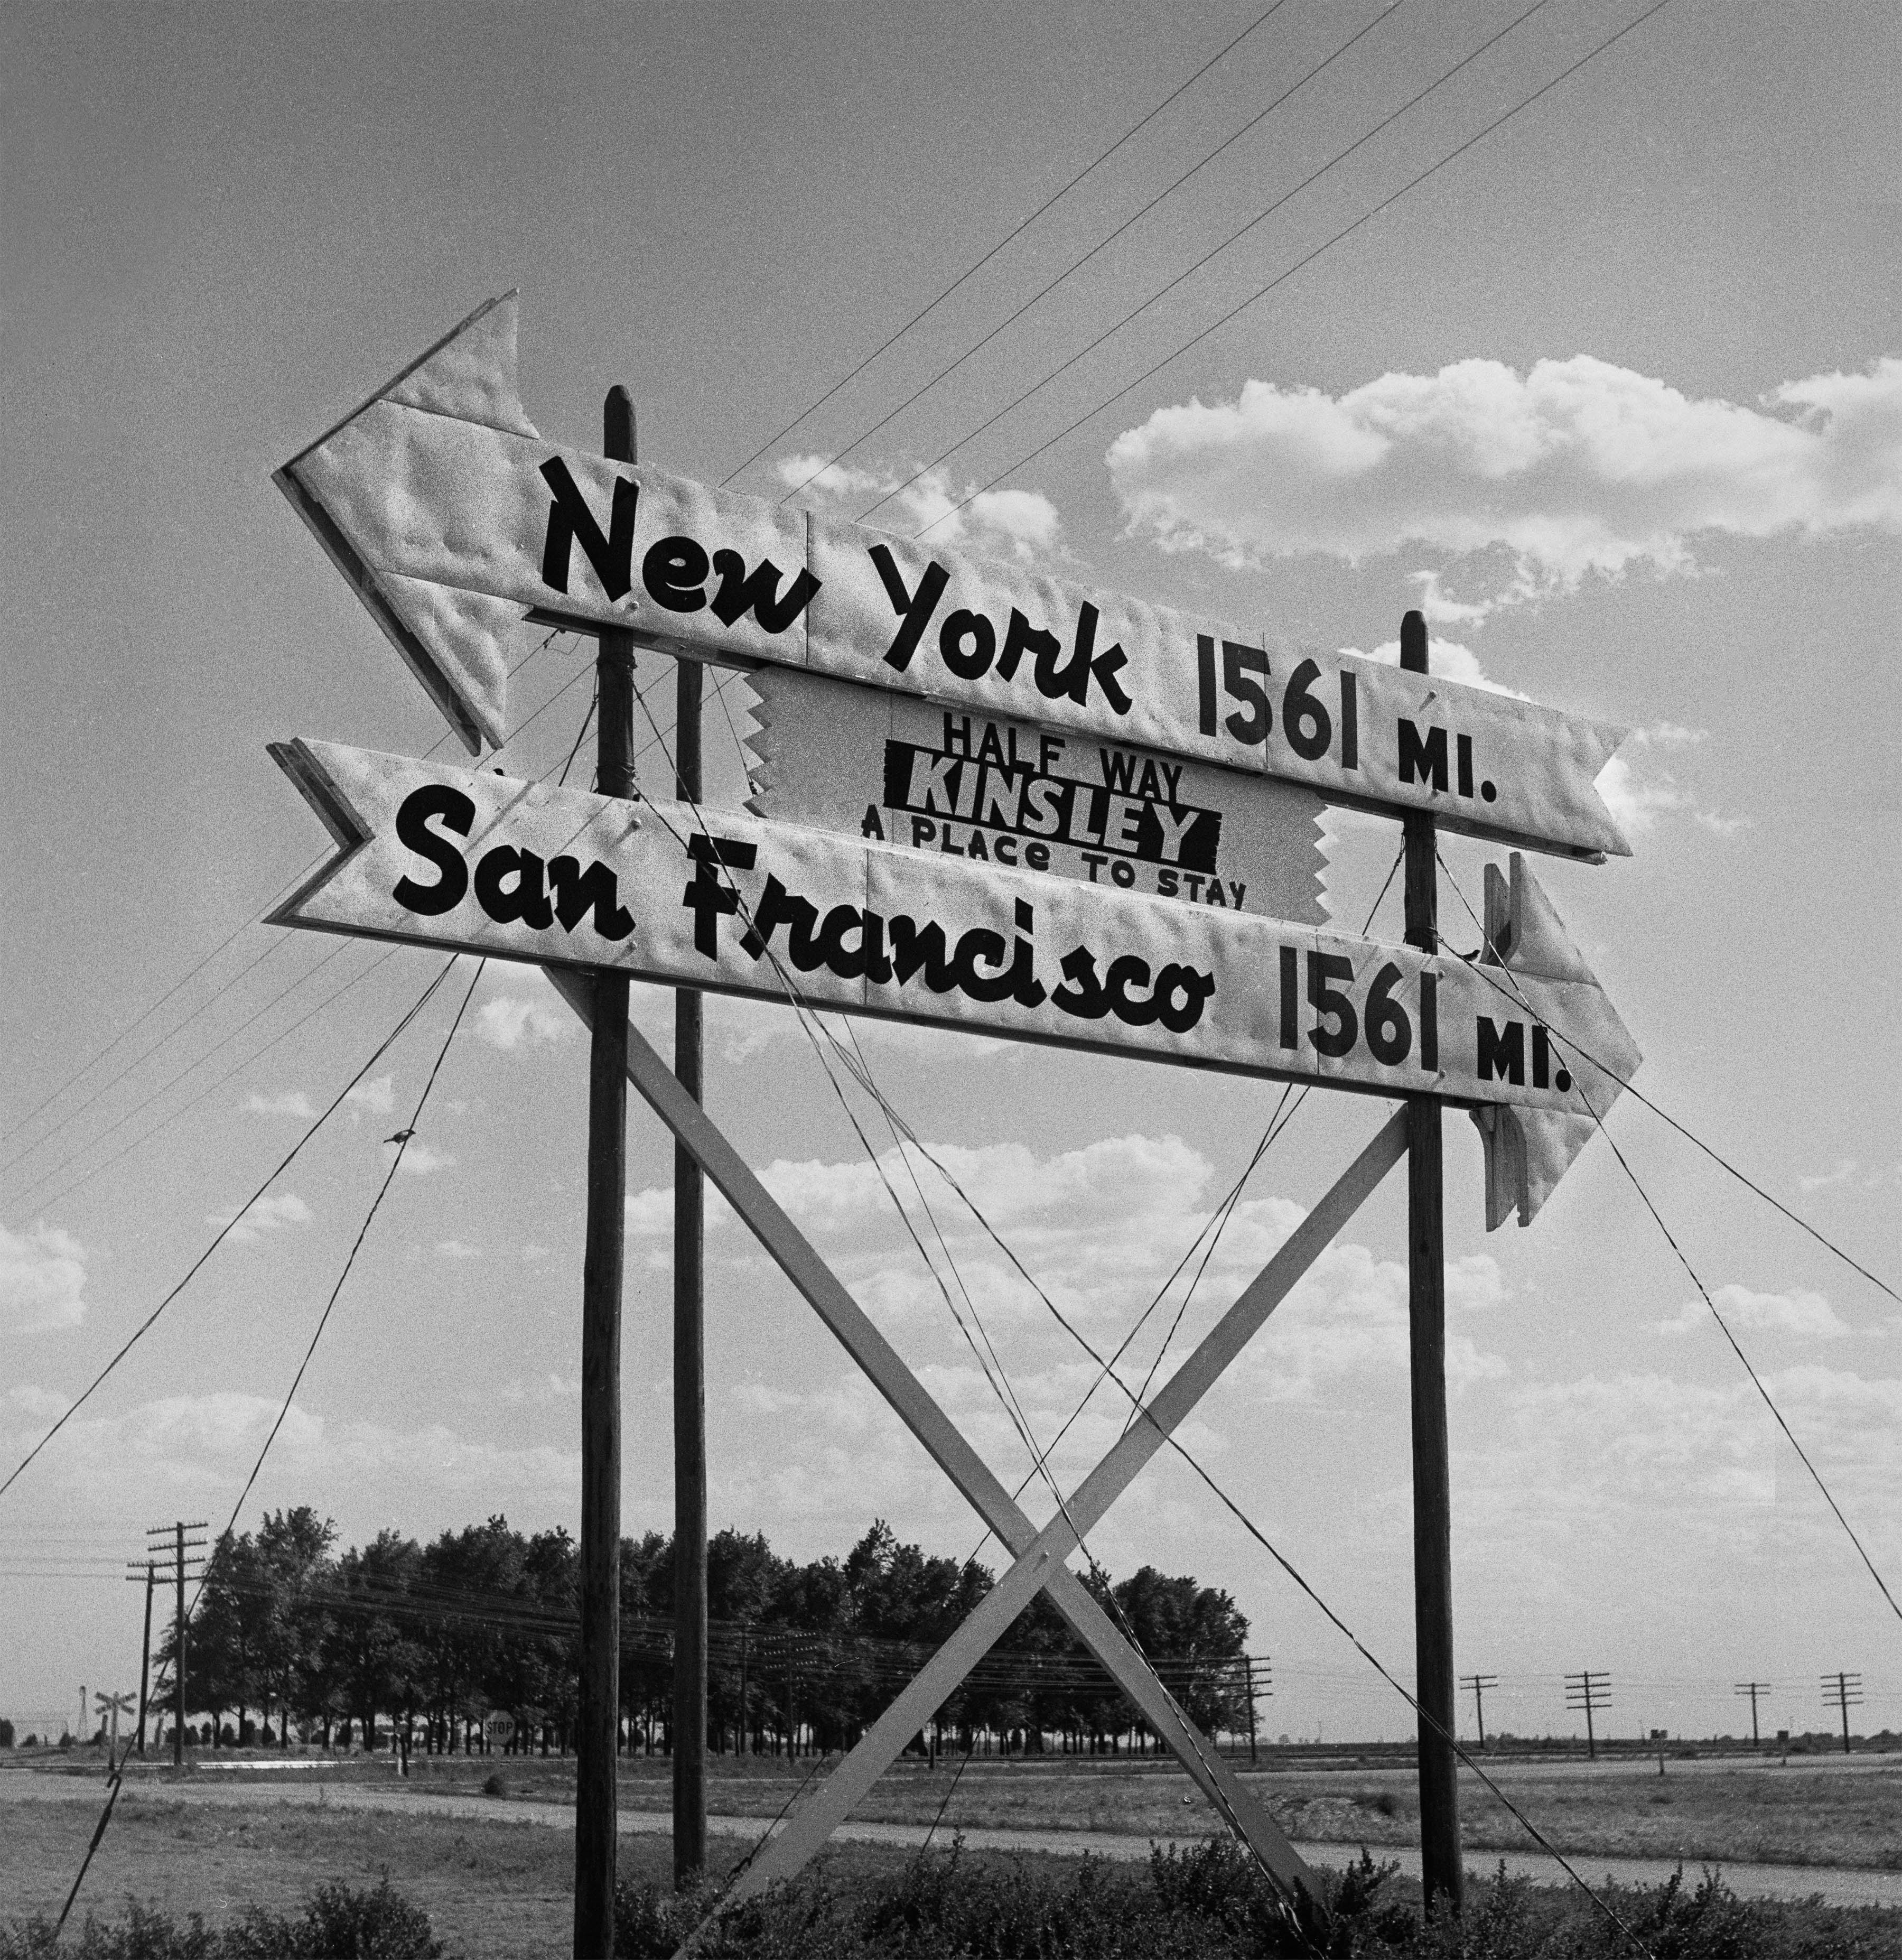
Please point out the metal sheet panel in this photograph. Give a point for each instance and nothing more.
(432, 493)
(941, 780)
(446, 856)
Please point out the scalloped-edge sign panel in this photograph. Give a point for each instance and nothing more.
(439, 483)
(437, 855)
(907, 772)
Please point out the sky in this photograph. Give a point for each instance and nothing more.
(1615, 395)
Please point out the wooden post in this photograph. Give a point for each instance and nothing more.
(595, 1795)
(745, 1701)
(145, 1655)
(178, 1662)
(1441, 1869)
(689, 1382)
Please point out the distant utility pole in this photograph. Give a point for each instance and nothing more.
(1753, 1689)
(185, 1558)
(1479, 1683)
(1266, 1687)
(150, 1575)
(1592, 1691)
(1845, 1690)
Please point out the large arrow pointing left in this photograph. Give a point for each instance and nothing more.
(454, 520)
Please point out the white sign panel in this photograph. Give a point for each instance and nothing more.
(454, 518)
(442, 856)
(899, 770)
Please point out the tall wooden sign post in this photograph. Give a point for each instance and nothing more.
(1441, 1872)
(689, 1381)
(595, 1795)
(987, 800)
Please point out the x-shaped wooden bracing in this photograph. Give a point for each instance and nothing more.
(1038, 1555)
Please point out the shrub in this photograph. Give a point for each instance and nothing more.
(337, 1924)
(6, 1733)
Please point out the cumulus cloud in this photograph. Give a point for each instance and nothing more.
(1807, 1315)
(43, 1279)
(1008, 524)
(1640, 791)
(457, 1248)
(286, 1103)
(419, 1159)
(1575, 467)
(377, 1097)
(509, 1022)
(269, 1214)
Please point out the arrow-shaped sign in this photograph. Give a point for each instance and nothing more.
(454, 519)
(438, 855)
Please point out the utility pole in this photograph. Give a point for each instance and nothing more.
(1591, 1691)
(184, 1557)
(1753, 1689)
(1441, 1870)
(1255, 1751)
(599, 1711)
(1479, 1683)
(149, 1576)
(689, 1380)
(745, 1703)
(1845, 1690)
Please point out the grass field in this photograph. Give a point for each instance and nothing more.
(1732, 1810)
(496, 1887)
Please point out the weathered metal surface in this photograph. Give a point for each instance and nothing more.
(518, 871)
(901, 771)
(1527, 1150)
(452, 518)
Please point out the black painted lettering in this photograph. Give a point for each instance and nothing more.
(1180, 993)
(674, 572)
(758, 593)
(918, 948)
(1422, 759)
(455, 812)
(913, 609)
(1502, 1051)
(971, 662)
(578, 893)
(570, 521)
(509, 886)
(1021, 637)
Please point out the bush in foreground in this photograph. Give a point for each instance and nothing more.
(337, 1923)
(1210, 1903)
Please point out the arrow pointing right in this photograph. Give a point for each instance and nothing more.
(436, 855)
(1528, 1149)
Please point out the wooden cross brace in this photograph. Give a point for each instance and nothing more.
(1038, 1555)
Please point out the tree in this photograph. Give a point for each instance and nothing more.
(371, 1658)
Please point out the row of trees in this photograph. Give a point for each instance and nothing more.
(415, 1644)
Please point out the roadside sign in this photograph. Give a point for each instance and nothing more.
(899, 770)
(433, 854)
(499, 1727)
(454, 519)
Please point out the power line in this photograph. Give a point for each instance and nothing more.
(1487, 969)
(403, 1137)
(224, 1230)
(1077, 265)
(139, 1020)
(971, 270)
(1261, 292)
(238, 1069)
